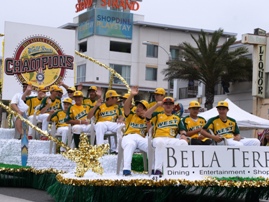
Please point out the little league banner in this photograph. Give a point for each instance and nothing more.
(198, 162)
(36, 54)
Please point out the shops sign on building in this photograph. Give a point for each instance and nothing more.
(105, 23)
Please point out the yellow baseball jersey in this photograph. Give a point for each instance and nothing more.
(105, 113)
(76, 112)
(88, 101)
(132, 110)
(226, 129)
(135, 125)
(59, 118)
(165, 126)
(55, 104)
(33, 102)
(191, 124)
(159, 109)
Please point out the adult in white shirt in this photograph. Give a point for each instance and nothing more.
(18, 105)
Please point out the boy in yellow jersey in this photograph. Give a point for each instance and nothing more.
(69, 91)
(224, 126)
(159, 94)
(136, 128)
(93, 95)
(193, 124)
(33, 102)
(108, 117)
(60, 93)
(59, 118)
(48, 104)
(166, 127)
(78, 116)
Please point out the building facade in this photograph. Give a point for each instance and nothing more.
(136, 49)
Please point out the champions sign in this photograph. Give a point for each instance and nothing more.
(38, 58)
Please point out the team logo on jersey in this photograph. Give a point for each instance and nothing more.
(39, 60)
(173, 132)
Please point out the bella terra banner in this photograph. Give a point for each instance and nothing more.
(197, 162)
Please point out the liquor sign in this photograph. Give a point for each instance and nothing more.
(259, 71)
(198, 162)
(258, 57)
(36, 54)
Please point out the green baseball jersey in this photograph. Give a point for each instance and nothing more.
(227, 129)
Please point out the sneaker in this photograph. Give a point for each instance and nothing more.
(30, 137)
(157, 172)
(126, 172)
(44, 138)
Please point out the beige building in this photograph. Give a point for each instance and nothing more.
(136, 49)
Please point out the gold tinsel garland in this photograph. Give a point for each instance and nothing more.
(35, 171)
(112, 71)
(160, 183)
(86, 157)
(44, 133)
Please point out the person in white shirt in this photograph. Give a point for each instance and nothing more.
(18, 105)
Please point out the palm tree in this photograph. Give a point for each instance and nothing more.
(210, 62)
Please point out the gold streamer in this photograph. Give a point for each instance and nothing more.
(110, 81)
(112, 71)
(87, 156)
(44, 133)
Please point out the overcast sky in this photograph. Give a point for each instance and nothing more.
(236, 16)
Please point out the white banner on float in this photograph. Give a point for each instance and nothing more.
(36, 54)
(198, 162)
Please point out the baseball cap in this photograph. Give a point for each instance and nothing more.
(78, 94)
(222, 104)
(159, 91)
(125, 96)
(54, 88)
(42, 88)
(143, 102)
(68, 100)
(168, 99)
(71, 89)
(111, 93)
(60, 90)
(194, 104)
(92, 88)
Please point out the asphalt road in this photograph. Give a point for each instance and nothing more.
(10, 194)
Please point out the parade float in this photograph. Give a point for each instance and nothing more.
(89, 173)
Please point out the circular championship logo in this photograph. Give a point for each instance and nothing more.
(39, 60)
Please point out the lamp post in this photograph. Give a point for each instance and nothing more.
(169, 58)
